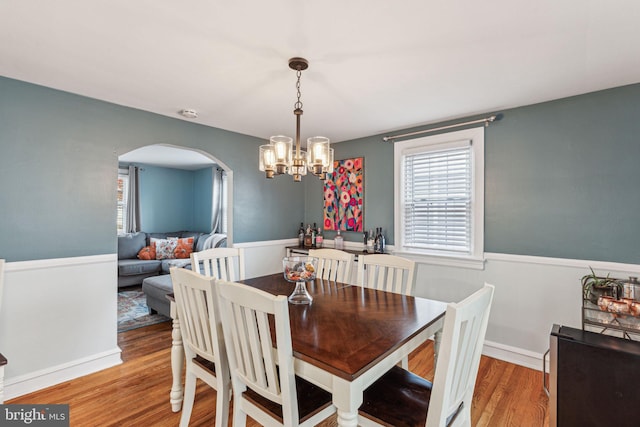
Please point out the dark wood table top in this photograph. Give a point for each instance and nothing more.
(348, 329)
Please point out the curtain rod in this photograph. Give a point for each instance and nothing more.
(486, 122)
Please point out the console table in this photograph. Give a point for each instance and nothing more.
(300, 250)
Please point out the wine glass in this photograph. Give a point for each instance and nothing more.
(300, 269)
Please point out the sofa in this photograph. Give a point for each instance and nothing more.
(137, 260)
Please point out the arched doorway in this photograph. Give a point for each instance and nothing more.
(168, 170)
(175, 156)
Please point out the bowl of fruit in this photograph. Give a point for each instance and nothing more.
(300, 269)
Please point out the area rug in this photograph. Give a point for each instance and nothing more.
(133, 311)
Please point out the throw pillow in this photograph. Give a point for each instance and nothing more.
(165, 248)
(184, 248)
(148, 252)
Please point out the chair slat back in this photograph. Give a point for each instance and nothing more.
(387, 273)
(465, 326)
(333, 264)
(200, 325)
(253, 360)
(221, 263)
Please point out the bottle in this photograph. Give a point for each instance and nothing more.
(365, 237)
(313, 236)
(301, 235)
(338, 241)
(370, 240)
(379, 241)
(308, 237)
(319, 238)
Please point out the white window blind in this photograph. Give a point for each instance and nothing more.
(437, 201)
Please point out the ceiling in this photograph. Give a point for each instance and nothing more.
(168, 157)
(375, 65)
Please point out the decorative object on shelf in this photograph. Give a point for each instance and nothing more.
(344, 196)
(594, 286)
(338, 241)
(631, 288)
(300, 269)
(607, 307)
(278, 157)
(371, 238)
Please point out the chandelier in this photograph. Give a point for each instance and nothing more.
(279, 156)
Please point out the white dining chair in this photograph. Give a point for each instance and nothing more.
(400, 398)
(333, 264)
(386, 273)
(204, 348)
(264, 384)
(3, 360)
(221, 263)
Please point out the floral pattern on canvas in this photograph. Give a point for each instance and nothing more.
(344, 196)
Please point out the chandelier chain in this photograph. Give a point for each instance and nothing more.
(298, 104)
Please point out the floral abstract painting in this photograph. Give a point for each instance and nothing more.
(344, 196)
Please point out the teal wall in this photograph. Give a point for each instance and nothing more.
(562, 179)
(174, 199)
(58, 169)
(202, 194)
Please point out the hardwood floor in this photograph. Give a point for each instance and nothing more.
(136, 393)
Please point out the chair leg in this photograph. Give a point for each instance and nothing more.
(404, 363)
(239, 416)
(189, 397)
(223, 396)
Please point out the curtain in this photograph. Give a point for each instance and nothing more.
(217, 202)
(133, 202)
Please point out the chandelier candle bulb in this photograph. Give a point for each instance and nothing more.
(267, 161)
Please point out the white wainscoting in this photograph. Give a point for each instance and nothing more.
(532, 293)
(58, 321)
(58, 318)
(263, 258)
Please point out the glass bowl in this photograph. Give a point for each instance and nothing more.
(299, 270)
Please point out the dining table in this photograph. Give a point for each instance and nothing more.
(346, 339)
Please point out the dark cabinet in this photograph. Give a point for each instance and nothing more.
(594, 379)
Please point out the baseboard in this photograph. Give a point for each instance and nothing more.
(19, 386)
(517, 356)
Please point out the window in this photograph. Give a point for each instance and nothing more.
(439, 197)
(123, 195)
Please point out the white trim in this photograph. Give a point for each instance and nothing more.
(448, 261)
(564, 262)
(515, 355)
(39, 264)
(39, 380)
(285, 242)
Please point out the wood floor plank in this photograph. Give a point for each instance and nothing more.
(136, 393)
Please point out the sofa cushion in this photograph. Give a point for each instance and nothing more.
(165, 247)
(148, 252)
(180, 263)
(130, 244)
(132, 267)
(183, 248)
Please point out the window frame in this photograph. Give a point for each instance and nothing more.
(474, 259)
